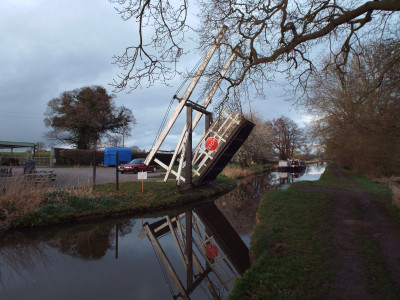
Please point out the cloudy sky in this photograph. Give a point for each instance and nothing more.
(47, 47)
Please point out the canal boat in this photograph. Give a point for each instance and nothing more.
(291, 165)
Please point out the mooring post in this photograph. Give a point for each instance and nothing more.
(188, 178)
(116, 171)
(94, 169)
(52, 157)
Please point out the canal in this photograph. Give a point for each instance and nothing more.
(197, 251)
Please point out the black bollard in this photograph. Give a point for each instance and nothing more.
(116, 171)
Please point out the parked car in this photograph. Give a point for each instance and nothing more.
(137, 165)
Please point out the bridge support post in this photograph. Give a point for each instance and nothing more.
(188, 154)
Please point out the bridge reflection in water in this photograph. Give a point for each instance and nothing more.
(210, 250)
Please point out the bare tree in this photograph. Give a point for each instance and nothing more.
(118, 137)
(112, 140)
(266, 36)
(286, 136)
(358, 110)
(40, 146)
(258, 146)
(136, 149)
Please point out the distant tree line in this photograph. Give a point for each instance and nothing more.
(277, 139)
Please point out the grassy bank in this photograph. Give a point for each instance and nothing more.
(370, 187)
(291, 247)
(31, 206)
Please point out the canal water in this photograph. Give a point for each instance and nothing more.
(197, 251)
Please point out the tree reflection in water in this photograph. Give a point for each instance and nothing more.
(20, 255)
(92, 243)
(23, 251)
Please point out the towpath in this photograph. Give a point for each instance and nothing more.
(367, 243)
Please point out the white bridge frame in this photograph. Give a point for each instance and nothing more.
(185, 140)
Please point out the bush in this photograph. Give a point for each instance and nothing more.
(82, 203)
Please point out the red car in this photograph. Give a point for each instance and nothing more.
(136, 165)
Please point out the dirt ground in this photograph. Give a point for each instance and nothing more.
(357, 211)
(83, 176)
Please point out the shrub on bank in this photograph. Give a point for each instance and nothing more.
(235, 171)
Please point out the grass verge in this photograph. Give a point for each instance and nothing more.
(379, 280)
(328, 180)
(289, 246)
(39, 207)
(369, 186)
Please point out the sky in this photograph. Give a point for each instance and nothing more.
(48, 47)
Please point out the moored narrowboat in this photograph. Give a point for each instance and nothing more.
(291, 165)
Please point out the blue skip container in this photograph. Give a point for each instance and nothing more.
(110, 155)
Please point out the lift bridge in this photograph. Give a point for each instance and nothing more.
(220, 140)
